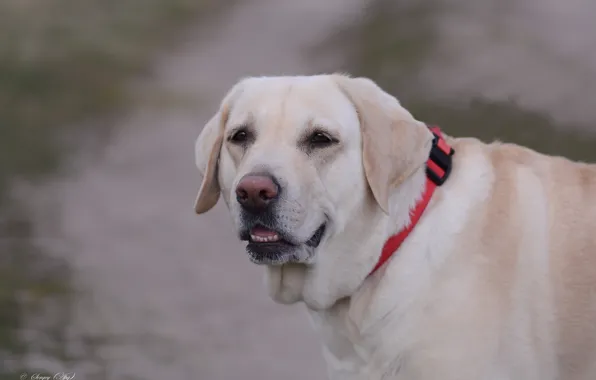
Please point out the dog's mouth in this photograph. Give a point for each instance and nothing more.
(268, 246)
(316, 238)
(261, 235)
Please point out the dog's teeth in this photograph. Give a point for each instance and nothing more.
(264, 239)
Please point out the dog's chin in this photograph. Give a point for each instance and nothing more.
(276, 254)
(274, 248)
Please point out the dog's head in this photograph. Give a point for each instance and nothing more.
(299, 159)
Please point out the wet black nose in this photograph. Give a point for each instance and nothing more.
(256, 191)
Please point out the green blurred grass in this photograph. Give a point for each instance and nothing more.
(391, 44)
(62, 63)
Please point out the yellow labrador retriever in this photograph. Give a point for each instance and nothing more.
(495, 281)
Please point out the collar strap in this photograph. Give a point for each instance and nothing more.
(438, 168)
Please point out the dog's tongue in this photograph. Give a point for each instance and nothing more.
(262, 232)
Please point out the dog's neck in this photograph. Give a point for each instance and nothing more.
(339, 306)
(339, 291)
(345, 262)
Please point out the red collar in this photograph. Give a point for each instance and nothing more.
(438, 168)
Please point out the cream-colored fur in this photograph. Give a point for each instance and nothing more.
(496, 282)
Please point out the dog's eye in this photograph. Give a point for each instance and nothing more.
(320, 139)
(240, 136)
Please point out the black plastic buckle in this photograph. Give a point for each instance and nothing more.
(442, 160)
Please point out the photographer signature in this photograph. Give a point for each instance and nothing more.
(57, 376)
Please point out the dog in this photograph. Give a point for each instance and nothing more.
(483, 268)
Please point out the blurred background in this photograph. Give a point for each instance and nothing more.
(106, 272)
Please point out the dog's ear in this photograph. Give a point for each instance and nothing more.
(394, 144)
(207, 150)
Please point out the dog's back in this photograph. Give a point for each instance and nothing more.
(572, 243)
(538, 228)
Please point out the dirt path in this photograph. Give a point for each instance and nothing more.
(176, 288)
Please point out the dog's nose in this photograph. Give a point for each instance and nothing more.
(256, 191)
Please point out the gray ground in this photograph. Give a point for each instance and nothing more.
(178, 288)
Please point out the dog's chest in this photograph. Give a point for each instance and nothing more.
(347, 358)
